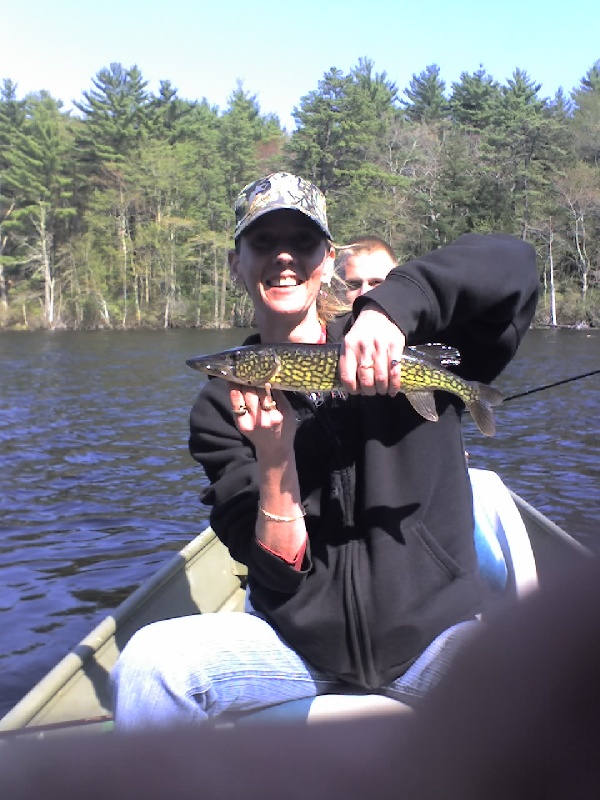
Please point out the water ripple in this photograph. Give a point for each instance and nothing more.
(97, 488)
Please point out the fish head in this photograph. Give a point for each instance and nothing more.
(247, 365)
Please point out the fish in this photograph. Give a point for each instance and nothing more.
(314, 368)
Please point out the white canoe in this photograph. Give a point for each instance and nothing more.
(517, 547)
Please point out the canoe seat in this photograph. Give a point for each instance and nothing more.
(503, 549)
(506, 563)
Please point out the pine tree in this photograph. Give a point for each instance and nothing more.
(167, 114)
(317, 143)
(245, 137)
(475, 100)
(12, 117)
(522, 148)
(115, 114)
(342, 133)
(586, 115)
(365, 193)
(426, 101)
(37, 178)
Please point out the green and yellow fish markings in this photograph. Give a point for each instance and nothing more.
(314, 368)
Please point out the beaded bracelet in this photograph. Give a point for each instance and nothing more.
(277, 518)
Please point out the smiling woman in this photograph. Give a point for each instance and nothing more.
(352, 513)
(285, 257)
(282, 260)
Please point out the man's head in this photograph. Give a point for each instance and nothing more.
(365, 264)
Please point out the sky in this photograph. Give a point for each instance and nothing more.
(280, 50)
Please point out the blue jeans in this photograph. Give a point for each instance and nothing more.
(194, 668)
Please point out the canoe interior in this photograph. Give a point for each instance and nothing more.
(201, 578)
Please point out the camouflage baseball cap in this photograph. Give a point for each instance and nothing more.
(277, 191)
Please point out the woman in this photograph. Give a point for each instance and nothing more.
(352, 513)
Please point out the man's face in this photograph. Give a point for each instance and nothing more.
(364, 271)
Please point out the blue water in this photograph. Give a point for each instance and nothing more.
(97, 488)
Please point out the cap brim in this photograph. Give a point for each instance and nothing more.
(247, 221)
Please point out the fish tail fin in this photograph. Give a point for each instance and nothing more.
(481, 408)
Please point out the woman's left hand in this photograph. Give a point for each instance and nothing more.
(371, 354)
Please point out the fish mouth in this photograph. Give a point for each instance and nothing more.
(216, 367)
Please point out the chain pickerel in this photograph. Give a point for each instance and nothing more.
(314, 368)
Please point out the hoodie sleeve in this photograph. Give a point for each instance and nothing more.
(229, 461)
(478, 294)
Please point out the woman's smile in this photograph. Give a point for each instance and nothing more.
(283, 281)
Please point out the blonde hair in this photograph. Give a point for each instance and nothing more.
(331, 300)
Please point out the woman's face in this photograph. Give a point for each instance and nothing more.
(281, 260)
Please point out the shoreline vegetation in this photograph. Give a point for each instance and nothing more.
(20, 328)
(118, 215)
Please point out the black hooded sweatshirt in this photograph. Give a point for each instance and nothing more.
(390, 560)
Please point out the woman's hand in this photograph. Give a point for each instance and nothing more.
(371, 354)
(265, 418)
(269, 422)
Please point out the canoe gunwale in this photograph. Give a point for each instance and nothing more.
(86, 652)
(546, 535)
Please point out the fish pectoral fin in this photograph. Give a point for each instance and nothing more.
(424, 404)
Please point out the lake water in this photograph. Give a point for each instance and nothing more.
(97, 488)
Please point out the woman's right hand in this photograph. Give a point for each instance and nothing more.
(270, 424)
(266, 419)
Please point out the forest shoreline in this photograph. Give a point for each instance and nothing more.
(20, 328)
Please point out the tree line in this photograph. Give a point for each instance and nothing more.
(120, 215)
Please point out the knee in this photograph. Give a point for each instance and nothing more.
(141, 655)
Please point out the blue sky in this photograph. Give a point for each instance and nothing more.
(280, 50)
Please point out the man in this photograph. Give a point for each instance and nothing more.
(365, 264)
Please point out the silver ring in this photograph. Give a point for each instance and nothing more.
(393, 363)
(269, 405)
(239, 412)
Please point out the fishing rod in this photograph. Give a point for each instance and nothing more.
(551, 385)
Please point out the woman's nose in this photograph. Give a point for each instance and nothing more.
(284, 256)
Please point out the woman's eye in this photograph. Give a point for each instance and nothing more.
(301, 242)
(305, 241)
(262, 241)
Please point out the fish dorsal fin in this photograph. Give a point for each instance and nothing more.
(441, 354)
(424, 404)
